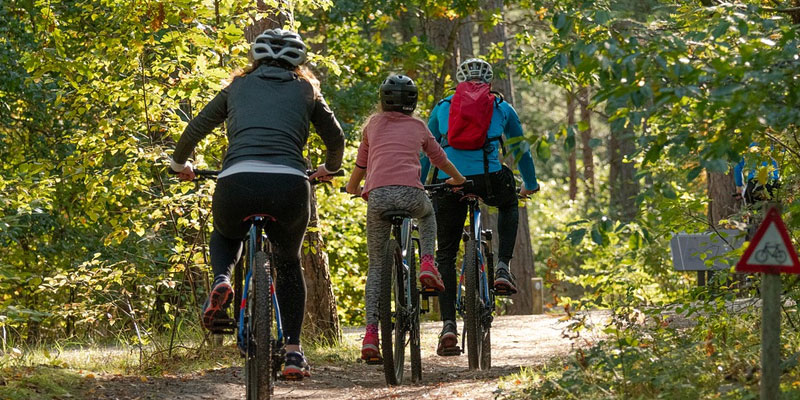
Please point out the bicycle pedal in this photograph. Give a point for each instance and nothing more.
(450, 351)
(428, 292)
(374, 361)
(223, 326)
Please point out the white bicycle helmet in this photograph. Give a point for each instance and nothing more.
(279, 44)
(474, 68)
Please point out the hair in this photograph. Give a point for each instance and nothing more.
(302, 71)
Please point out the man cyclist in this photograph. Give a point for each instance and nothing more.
(492, 181)
(267, 110)
(752, 189)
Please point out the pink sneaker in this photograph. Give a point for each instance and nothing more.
(428, 274)
(369, 347)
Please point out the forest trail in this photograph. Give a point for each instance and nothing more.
(517, 341)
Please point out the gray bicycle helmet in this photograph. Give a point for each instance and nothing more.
(399, 93)
(474, 68)
(279, 44)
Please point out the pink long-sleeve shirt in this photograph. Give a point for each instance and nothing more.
(390, 150)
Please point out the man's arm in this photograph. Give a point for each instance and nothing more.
(513, 129)
(433, 126)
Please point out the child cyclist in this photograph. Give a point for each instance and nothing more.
(389, 157)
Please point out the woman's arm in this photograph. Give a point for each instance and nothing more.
(331, 133)
(212, 115)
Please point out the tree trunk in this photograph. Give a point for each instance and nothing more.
(573, 167)
(321, 318)
(621, 180)
(523, 262)
(443, 33)
(722, 204)
(586, 136)
(465, 48)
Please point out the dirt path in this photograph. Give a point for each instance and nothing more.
(516, 341)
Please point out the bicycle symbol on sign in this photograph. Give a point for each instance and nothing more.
(772, 250)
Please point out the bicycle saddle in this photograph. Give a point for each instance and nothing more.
(391, 214)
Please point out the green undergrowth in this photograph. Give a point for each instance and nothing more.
(702, 352)
(65, 370)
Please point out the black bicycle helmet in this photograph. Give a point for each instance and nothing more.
(399, 93)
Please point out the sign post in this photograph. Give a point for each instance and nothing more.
(771, 253)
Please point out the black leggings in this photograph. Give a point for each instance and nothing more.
(451, 213)
(284, 197)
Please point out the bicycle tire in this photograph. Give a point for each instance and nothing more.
(486, 344)
(780, 256)
(391, 317)
(761, 255)
(413, 325)
(473, 307)
(258, 363)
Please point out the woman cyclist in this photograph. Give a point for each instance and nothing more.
(389, 157)
(267, 110)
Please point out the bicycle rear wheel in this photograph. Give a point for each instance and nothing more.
(391, 302)
(473, 305)
(259, 337)
(413, 323)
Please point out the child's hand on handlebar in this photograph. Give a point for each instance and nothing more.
(456, 180)
(353, 188)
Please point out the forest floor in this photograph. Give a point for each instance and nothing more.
(517, 341)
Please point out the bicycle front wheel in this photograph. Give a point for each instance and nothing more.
(392, 316)
(258, 364)
(473, 305)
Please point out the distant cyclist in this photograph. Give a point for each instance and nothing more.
(752, 189)
(470, 125)
(266, 110)
(389, 157)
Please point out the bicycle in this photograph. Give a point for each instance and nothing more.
(771, 250)
(476, 302)
(399, 304)
(256, 310)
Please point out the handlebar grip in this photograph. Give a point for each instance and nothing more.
(198, 172)
(337, 173)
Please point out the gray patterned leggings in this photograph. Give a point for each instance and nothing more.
(416, 202)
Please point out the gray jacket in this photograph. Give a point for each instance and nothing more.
(267, 115)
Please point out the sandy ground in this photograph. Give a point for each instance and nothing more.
(517, 341)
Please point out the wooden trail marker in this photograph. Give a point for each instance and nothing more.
(771, 253)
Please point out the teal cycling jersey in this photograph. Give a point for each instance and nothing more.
(505, 122)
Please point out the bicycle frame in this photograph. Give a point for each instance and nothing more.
(257, 240)
(476, 232)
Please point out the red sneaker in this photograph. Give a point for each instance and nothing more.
(429, 276)
(369, 347)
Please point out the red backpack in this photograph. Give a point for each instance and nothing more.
(471, 111)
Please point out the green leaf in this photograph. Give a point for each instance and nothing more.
(576, 236)
(597, 237)
(543, 150)
(693, 173)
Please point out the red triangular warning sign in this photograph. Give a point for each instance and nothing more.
(770, 251)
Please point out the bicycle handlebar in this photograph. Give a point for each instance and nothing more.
(212, 174)
(436, 187)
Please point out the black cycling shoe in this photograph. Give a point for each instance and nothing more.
(448, 340)
(296, 367)
(504, 282)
